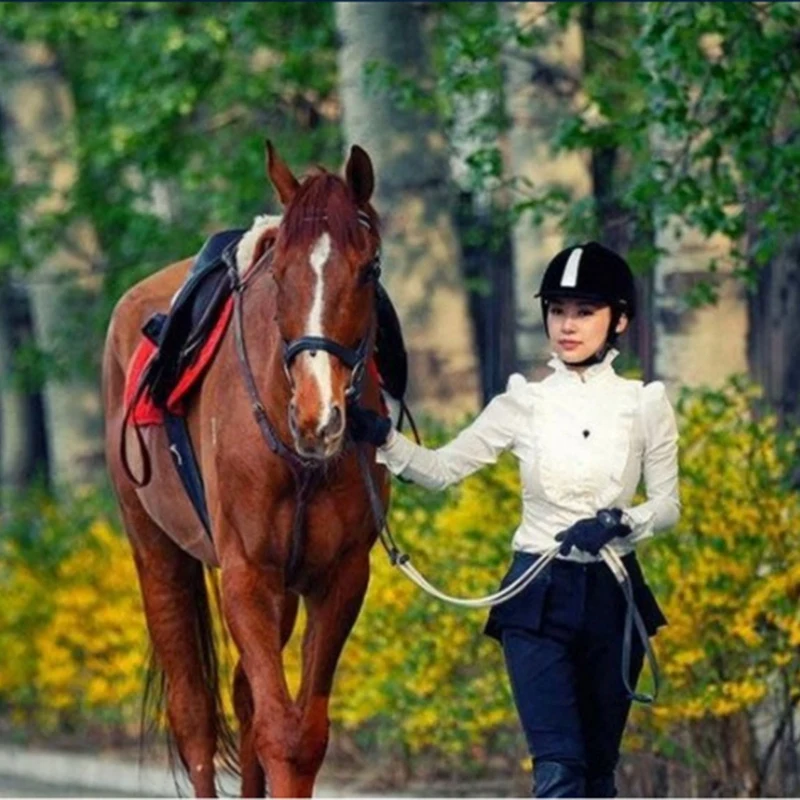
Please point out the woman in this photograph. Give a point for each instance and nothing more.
(583, 437)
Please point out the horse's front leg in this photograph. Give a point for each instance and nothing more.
(332, 609)
(255, 604)
(252, 772)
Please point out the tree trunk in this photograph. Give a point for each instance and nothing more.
(414, 198)
(39, 141)
(542, 87)
(618, 226)
(23, 446)
(773, 341)
(485, 240)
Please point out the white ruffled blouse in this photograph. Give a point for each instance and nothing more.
(583, 442)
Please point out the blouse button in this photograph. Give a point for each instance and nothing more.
(585, 434)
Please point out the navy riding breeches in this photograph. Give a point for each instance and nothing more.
(562, 641)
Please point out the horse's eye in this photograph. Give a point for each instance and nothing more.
(372, 271)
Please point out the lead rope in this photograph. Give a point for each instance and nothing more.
(632, 617)
(612, 560)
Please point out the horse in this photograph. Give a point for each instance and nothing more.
(305, 314)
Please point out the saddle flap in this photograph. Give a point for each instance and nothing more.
(390, 351)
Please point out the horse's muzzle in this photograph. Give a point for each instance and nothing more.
(317, 439)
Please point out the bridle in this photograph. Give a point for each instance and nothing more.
(353, 358)
(305, 471)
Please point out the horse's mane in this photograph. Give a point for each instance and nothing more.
(323, 204)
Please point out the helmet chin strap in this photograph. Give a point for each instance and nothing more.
(597, 358)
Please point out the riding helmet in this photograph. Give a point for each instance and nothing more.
(590, 271)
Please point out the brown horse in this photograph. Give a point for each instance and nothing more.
(313, 277)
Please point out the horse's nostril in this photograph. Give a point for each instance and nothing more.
(334, 424)
(335, 421)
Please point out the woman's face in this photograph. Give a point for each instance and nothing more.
(578, 328)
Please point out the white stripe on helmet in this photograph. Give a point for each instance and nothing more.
(570, 276)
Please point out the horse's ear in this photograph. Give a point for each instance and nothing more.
(281, 176)
(359, 174)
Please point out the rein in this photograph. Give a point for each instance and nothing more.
(305, 471)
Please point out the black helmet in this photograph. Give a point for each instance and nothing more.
(591, 272)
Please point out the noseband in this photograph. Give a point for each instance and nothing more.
(354, 359)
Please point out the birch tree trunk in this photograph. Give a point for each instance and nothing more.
(414, 199)
(542, 88)
(39, 141)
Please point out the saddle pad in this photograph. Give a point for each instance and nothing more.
(146, 412)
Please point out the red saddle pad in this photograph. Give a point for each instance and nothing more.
(146, 413)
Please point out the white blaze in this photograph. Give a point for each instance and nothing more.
(320, 365)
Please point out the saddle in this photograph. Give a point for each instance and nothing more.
(180, 334)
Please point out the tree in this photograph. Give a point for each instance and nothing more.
(722, 86)
(543, 86)
(39, 139)
(467, 42)
(23, 454)
(383, 67)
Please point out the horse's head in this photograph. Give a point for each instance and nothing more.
(326, 262)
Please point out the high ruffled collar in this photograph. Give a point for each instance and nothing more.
(589, 373)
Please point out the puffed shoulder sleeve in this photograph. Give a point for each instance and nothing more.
(481, 443)
(660, 465)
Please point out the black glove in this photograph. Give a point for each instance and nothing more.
(367, 426)
(592, 534)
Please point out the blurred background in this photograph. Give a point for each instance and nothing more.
(500, 133)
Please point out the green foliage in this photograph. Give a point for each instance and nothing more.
(715, 85)
(173, 102)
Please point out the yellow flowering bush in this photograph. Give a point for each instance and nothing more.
(416, 671)
(71, 625)
(728, 578)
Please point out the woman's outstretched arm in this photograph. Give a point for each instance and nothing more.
(492, 432)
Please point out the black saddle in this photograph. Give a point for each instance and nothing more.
(179, 334)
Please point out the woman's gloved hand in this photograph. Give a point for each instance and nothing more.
(367, 426)
(593, 533)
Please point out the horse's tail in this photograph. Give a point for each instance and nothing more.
(153, 711)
